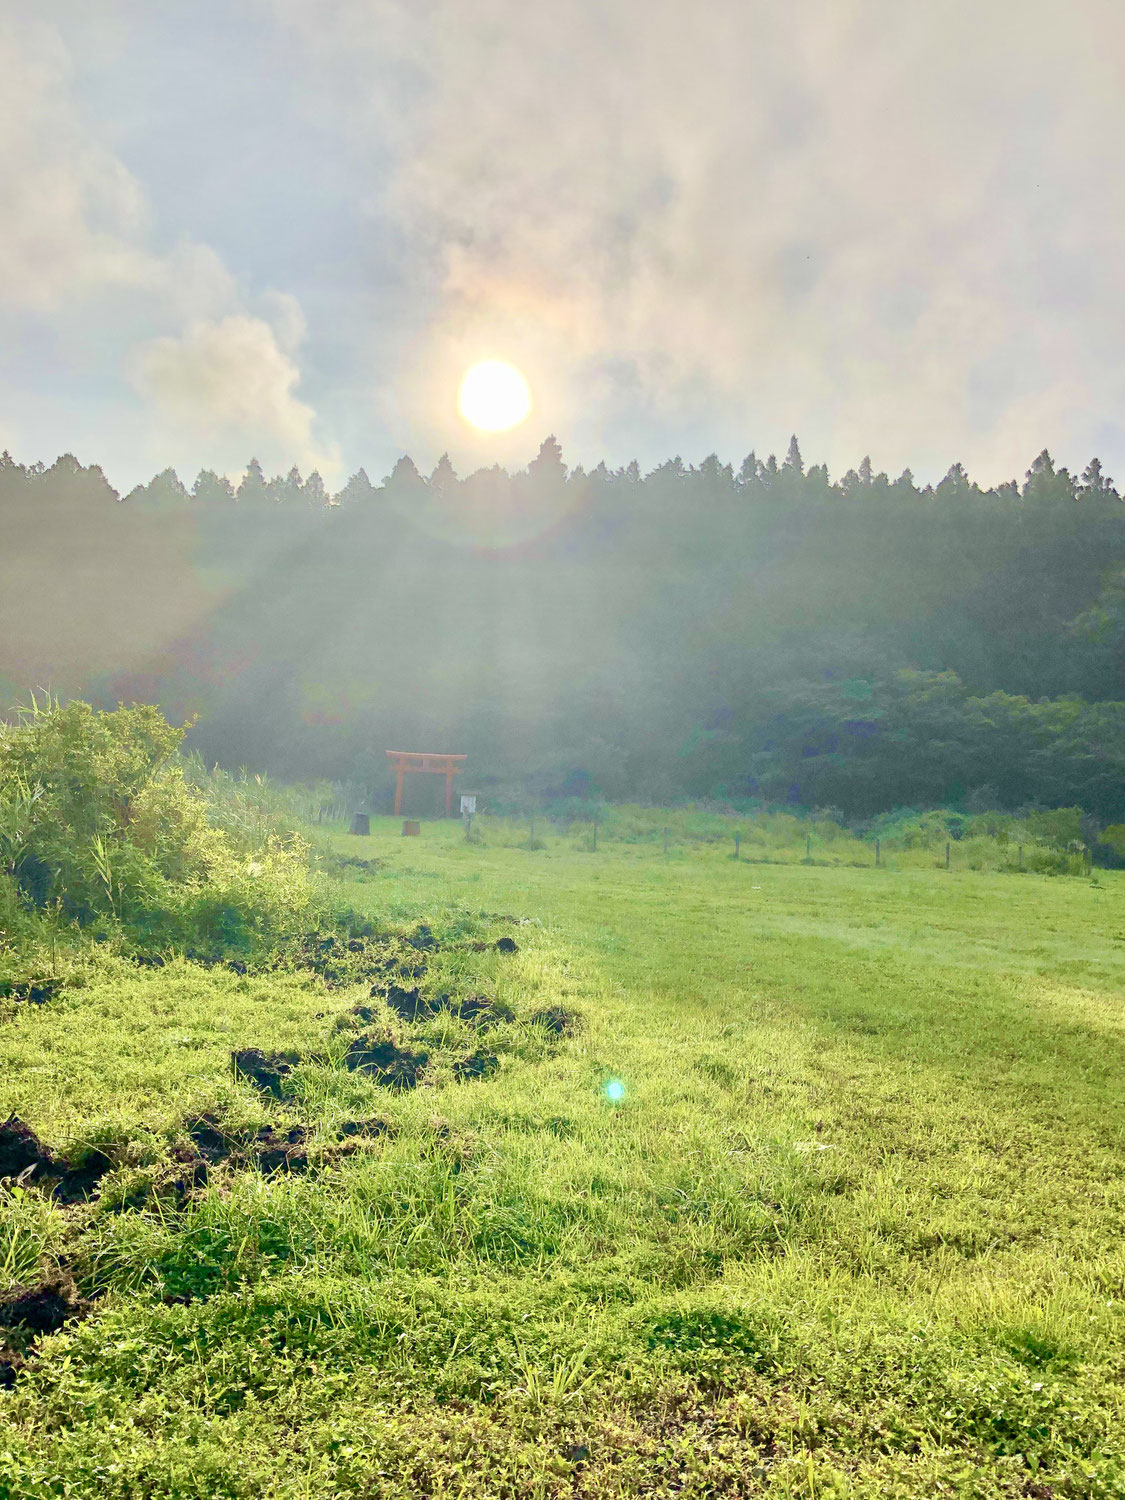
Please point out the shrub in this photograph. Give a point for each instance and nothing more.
(99, 824)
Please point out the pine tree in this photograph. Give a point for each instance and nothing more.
(444, 478)
(548, 467)
(289, 489)
(358, 491)
(793, 461)
(211, 488)
(253, 487)
(1094, 482)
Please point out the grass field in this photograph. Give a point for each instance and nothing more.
(854, 1228)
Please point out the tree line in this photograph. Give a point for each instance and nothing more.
(701, 630)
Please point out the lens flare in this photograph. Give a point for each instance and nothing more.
(493, 396)
(615, 1090)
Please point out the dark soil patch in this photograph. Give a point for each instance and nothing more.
(339, 962)
(78, 1183)
(476, 1065)
(285, 1152)
(557, 1020)
(394, 1067)
(210, 1140)
(423, 939)
(408, 1004)
(29, 991)
(42, 1309)
(392, 967)
(23, 1155)
(264, 1070)
(481, 1010)
(11, 1363)
(195, 1170)
(270, 1150)
(20, 1149)
(507, 945)
(29, 1312)
(366, 1129)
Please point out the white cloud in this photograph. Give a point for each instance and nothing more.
(891, 227)
(226, 390)
(78, 239)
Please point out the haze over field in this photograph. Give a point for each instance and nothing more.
(279, 229)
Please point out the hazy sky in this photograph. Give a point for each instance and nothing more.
(284, 228)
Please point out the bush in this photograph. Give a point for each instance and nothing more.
(98, 824)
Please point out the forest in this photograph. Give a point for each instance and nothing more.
(764, 634)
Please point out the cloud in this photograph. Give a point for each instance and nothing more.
(81, 264)
(890, 227)
(227, 390)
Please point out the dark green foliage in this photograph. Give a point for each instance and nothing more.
(695, 632)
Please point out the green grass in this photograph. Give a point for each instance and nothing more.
(854, 1229)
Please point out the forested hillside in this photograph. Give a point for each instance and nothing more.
(765, 632)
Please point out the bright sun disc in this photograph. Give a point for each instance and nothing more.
(493, 396)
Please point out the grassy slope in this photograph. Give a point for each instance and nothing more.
(855, 1228)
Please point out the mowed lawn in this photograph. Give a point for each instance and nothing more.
(854, 1228)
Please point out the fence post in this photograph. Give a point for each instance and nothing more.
(947, 856)
(737, 845)
(878, 855)
(1021, 856)
(808, 846)
(666, 842)
(595, 835)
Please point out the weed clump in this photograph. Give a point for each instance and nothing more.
(103, 830)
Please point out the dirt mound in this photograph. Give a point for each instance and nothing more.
(270, 1149)
(79, 1182)
(507, 945)
(23, 1155)
(29, 1312)
(366, 1129)
(30, 991)
(339, 962)
(21, 1149)
(43, 1308)
(409, 1004)
(557, 1020)
(264, 1070)
(476, 1065)
(482, 1010)
(423, 939)
(394, 1067)
(286, 1152)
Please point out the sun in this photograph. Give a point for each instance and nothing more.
(493, 396)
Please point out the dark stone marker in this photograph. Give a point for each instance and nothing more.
(361, 824)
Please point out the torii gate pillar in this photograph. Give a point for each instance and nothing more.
(409, 761)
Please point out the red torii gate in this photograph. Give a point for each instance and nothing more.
(408, 761)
